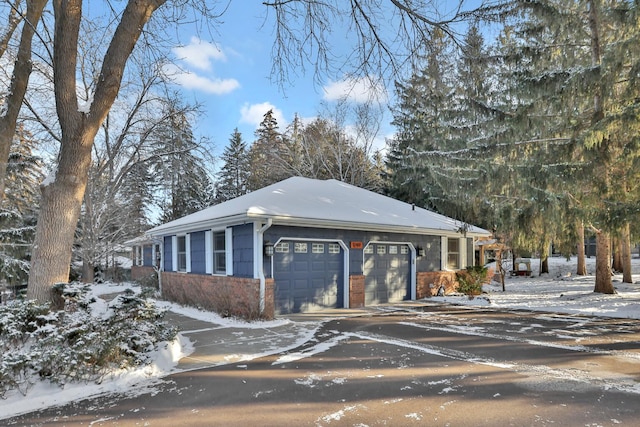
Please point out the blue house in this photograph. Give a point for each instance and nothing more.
(303, 245)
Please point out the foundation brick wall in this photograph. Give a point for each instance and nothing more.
(428, 283)
(226, 295)
(356, 291)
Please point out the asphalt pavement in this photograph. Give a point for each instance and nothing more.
(396, 366)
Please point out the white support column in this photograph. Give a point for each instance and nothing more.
(208, 251)
(228, 249)
(174, 253)
(187, 246)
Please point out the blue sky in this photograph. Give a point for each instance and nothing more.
(228, 69)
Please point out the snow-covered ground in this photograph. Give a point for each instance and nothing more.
(560, 291)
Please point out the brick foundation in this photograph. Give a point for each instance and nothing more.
(226, 295)
(428, 283)
(356, 291)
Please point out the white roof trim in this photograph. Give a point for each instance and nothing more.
(324, 204)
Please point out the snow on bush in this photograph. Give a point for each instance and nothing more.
(78, 343)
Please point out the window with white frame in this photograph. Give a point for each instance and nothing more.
(317, 248)
(334, 248)
(182, 253)
(219, 253)
(300, 247)
(453, 254)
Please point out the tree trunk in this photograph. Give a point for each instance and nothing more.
(544, 257)
(59, 213)
(625, 242)
(582, 265)
(62, 199)
(617, 255)
(604, 284)
(18, 86)
(87, 271)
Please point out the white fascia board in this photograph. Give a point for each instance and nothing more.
(305, 222)
(332, 224)
(217, 223)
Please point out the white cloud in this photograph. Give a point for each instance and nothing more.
(253, 114)
(199, 54)
(360, 90)
(190, 80)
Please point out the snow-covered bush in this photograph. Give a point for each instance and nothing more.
(79, 343)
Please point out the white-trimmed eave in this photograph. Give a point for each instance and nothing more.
(355, 225)
(162, 230)
(307, 222)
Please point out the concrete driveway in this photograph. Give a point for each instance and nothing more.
(415, 365)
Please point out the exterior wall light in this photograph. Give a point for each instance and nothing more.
(420, 251)
(268, 248)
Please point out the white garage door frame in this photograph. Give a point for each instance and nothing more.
(345, 261)
(412, 262)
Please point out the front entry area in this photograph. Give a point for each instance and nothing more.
(387, 273)
(309, 276)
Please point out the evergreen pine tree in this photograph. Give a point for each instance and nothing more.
(234, 174)
(268, 155)
(20, 208)
(181, 174)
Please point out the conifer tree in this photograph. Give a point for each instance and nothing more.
(423, 123)
(268, 155)
(182, 176)
(19, 213)
(234, 174)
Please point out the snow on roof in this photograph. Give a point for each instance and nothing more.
(310, 202)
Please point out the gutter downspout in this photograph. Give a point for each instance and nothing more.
(261, 262)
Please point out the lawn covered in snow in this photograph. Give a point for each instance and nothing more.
(560, 291)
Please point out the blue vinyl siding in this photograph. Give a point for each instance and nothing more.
(147, 256)
(243, 250)
(168, 254)
(198, 253)
(431, 244)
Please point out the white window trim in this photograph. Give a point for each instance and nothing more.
(208, 252)
(187, 248)
(174, 253)
(228, 248)
(462, 253)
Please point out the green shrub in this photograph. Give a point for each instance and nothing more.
(471, 279)
(74, 344)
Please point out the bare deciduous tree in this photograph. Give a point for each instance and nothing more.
(62, 193)
(19, 80)
(385, 38)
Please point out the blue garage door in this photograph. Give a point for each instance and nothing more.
(308, 276)
(387, 273)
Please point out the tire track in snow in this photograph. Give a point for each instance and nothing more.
(539, 373)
